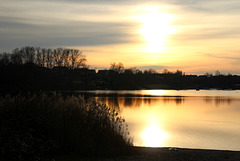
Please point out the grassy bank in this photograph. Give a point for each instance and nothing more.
(35, 126)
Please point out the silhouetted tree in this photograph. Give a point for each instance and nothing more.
(208, 74)
(39, 57)
(117, 67)
(70, 58)
(218, 73)
(150, 71)
(16, 56)
(58, 57)
(65, 57)
(49, 57)
(77, 59)
(4, 58)
(165, 71)
(28, 54)
(132, 70)
(179, 72)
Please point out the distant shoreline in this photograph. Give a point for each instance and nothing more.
(30, 77)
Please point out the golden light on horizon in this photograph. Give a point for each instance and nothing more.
(157, 92)
(155, 29)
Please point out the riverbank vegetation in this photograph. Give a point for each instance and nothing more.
(33, 126)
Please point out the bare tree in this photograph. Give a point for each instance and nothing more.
(49, 57)
(38, 57)
(208, 74)
(218, 73)
(150, 71)
(165, 71)
(58, 56)
(5, 58)
(77, 59)
(28, 54)
(179, 72)
(43, 57)
(117, 67)
(16, 56)
(132, 70)
(65, 57)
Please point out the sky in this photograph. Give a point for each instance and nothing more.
(195, 36)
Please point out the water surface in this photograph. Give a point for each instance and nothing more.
(206, 119)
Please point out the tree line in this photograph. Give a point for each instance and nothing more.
(119, 68)
(34, 69)
(42, 57)
(72, 59)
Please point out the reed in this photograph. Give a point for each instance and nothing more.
(36, 125)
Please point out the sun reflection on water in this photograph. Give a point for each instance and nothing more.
(205, 119)
(153, 136)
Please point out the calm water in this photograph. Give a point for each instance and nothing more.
(206, 119)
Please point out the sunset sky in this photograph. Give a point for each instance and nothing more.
(195, 36)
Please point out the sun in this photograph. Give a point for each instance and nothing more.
(155, 28)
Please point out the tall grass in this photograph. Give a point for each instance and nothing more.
(43, 124)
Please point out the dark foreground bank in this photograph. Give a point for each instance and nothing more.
(162, 154)
(34, 126)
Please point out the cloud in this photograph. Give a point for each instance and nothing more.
(76, 33)
(223, 56)
(98, 22)
(207, 33)
(51, 24)
(216, 6)
(155, 67)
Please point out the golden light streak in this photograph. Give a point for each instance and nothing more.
(157, 92)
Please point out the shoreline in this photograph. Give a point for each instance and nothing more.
(164, 154)
(181, 148)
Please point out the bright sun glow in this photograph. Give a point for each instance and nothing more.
(155, 29)
(153, 136)
(156, 92)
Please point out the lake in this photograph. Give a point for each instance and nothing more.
(205, 119)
